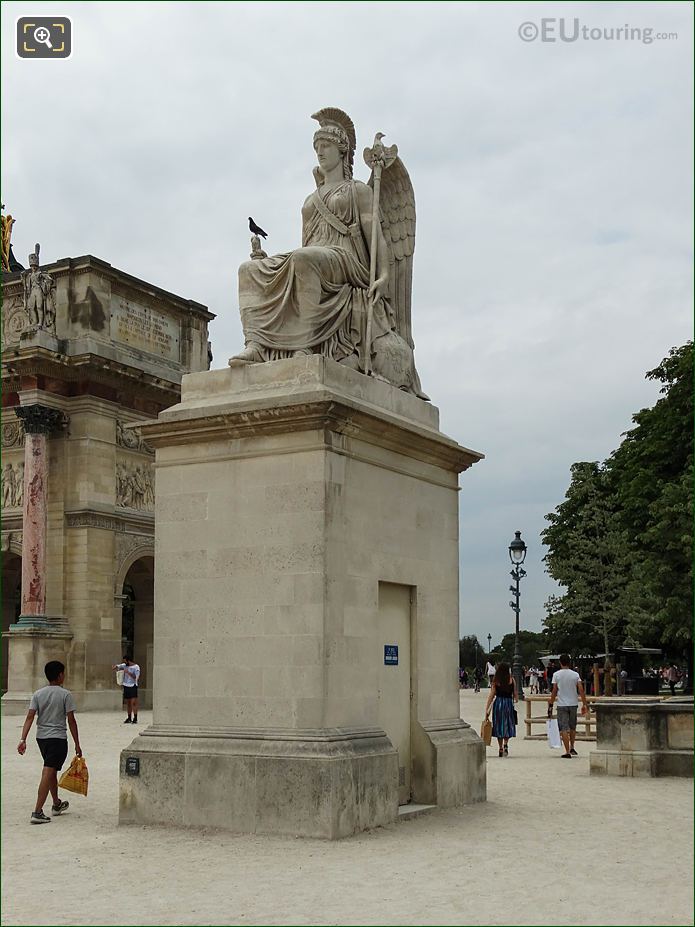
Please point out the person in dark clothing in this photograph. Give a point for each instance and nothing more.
(502, 697)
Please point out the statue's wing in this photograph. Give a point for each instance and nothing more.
(397, 206)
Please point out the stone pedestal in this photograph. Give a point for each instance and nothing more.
(31, 649)
(643, 737)
(294, 499)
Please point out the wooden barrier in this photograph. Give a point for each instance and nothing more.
(586, 724)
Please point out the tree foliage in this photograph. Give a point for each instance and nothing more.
(620, 544)
(469, 648)
(651, 473)
(531, 644)
(588, 556)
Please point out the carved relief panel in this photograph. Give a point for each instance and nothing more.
(12, 435)
(12, 485)
(15, 319)
(135, 485)
(126, 437)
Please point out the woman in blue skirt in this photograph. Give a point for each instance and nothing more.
(503, 693)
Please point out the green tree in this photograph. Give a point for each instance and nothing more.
(651, 473)
(621, 542)
(471, 653)
(587, 554)
(531, 643)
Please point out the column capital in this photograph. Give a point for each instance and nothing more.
(38, 419)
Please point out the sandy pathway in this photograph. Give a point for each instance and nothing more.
(551, 846)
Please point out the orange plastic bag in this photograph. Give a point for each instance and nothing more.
(76, 777)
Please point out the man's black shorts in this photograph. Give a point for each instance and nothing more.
(130, 692)
(53, 750)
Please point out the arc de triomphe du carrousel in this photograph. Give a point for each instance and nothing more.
(306, 541)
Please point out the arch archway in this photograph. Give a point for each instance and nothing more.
(11, 602)
(137, 621)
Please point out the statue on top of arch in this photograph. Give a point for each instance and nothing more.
(38, 289)
(346, 293)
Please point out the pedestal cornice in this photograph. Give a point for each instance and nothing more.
(305, 394)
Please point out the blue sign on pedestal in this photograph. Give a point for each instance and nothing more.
(390, 654)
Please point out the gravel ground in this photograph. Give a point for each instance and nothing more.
(550, 846)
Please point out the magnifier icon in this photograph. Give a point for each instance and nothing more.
(43, 36)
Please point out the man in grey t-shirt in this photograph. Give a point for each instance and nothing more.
(55, 708)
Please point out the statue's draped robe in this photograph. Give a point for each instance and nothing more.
(314, 298)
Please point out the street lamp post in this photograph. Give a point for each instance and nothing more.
(517, 554)
(489, 644)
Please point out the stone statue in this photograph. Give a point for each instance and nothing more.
(38, 288)
(122, 489)
(148, 500)
(257, 253)
(8, 486)
(346, 292)
(7, 223)
(19, 485)
(138, 488)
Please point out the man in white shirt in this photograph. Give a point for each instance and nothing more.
(131, 676)
(490, 672)
(567, 689)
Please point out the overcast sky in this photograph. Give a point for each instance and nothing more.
(553, 184)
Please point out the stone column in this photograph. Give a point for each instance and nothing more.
(36, 638)
(38, 421)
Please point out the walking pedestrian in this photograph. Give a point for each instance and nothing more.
(478, 675)
(54, 706)
(131, 675)
(673, 675)
(567, 690)
(502, 697)
(490, 670)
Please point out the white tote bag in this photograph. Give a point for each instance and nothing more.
(119, 677)
(553, 730)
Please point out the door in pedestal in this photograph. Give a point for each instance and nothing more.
(394, 676)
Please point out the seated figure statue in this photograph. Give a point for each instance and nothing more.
(319, 298)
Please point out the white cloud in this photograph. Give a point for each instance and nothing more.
(554, 245)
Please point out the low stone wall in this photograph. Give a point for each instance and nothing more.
(643, 737)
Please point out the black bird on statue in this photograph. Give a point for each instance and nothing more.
(256, 229)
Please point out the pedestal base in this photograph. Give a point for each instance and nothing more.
(327, 784)
(642, 737)
(641, 763)
(449, 765)
(43, 624)
(31, 645)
